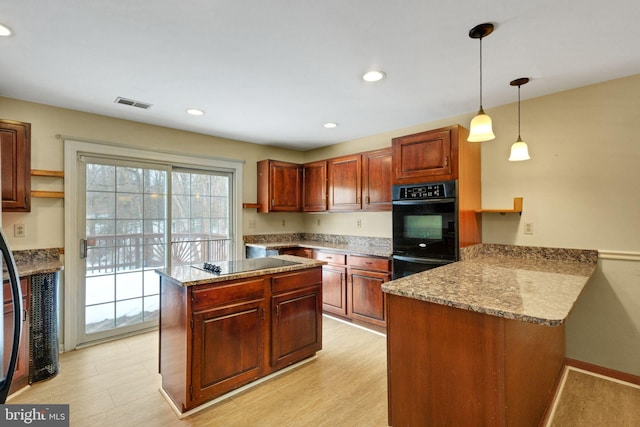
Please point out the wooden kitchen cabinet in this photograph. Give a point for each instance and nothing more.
(21, 374)
(376, 180)
(334, 282)
(296, 313)
(279, 186)
(15, 154)
(345, 183)
(366, 301)
(314, 186)
(432, 155)
(216, 337)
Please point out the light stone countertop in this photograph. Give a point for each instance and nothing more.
(527, 288)
(190, 276)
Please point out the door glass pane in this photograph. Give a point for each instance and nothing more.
(200, 225)
(126, 216)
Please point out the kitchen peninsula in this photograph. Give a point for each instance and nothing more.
(482, 341)
(237, 322)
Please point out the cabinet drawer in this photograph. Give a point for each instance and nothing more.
(369, 263)
(331, 257)
(212, 295)
(290, 281)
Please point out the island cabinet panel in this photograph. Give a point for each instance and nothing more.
(449, 366)
(296, 324)
(216, 337)
(314, 186)
(228, 348)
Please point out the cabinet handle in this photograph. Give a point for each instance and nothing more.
(273, 202)
(446, 161)
(263, 313)
(24, 315)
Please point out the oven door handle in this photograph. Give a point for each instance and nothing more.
(424, 260)
(422, 201)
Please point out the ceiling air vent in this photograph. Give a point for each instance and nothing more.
(132, 103)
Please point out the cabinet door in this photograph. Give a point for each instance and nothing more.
(345, 184)
(279, 185)
(15, 154)
(314, 187)
(21, 374)
(376, 180)
(228, 349)
(426, 156)
(334, 289)
(296, 325)
(366, 299)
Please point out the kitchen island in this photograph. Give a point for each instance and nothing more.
(225, 328)
(482, 341)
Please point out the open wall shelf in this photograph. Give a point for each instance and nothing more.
(517, 208)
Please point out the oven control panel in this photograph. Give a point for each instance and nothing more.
(425, 191)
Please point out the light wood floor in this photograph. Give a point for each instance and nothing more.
(116, 385)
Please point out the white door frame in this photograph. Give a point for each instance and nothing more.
(73, 148)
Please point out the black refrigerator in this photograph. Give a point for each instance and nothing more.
(10, 338)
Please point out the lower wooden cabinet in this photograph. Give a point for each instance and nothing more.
(217, 337)
(296, 322)
(352, 286)
(228, 349)
(21, 374)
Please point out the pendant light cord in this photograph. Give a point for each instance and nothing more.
(481, 73)
(519, 112)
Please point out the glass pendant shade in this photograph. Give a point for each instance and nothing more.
(481, 128)
(519, 151)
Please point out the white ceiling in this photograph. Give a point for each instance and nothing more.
(273, 71)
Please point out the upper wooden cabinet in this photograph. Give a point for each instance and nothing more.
(376, 180)
(345, 183)
(279, 185)
(314, 186)
(428, 156)
(15, 153)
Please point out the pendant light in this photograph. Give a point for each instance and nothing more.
(519, 149)
(480, 128)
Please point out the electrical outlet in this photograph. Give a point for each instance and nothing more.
(318, 222)
(528, 228)
(252, 223)
(359, 223)
(284, 223)
(19, 230)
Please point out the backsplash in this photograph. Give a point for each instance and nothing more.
(316, 237)
(529, 252)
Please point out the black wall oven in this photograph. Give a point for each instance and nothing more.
(425, 226)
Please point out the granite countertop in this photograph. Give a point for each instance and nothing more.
(36, 261)
(360, 249)
(536, 285)
(188, 275)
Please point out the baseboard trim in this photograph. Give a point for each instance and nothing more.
(601, 370)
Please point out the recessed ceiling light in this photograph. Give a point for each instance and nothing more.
(4, 31)
(373, 76)
(330, 125)
(195, 112)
